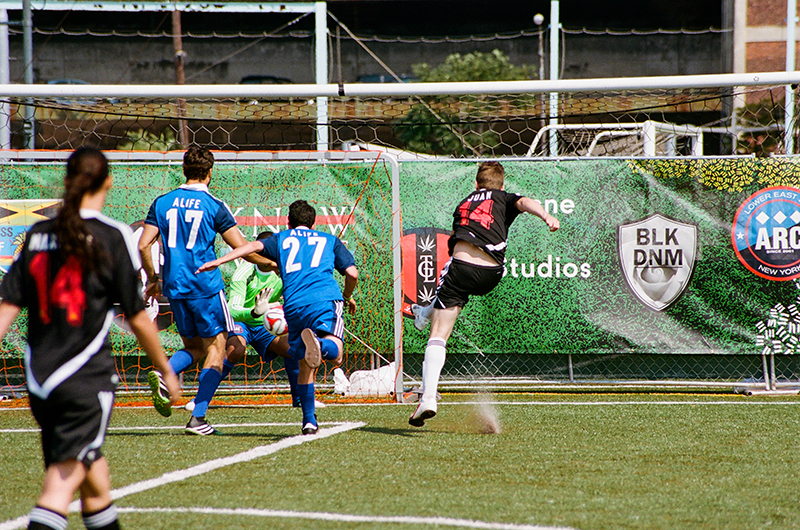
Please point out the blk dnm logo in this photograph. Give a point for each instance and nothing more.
(766, 233)
(657, 255)
(424, 256)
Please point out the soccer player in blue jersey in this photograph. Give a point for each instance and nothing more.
(188, 220)
(313, 302)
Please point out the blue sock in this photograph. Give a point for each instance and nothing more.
(306, 393)
(227, 366)
(209, 381)
(329, 349)
(292, 373)
(181, 360)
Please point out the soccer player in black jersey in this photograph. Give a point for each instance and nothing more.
(71, 272)
(477, 248)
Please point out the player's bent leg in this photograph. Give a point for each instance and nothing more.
(331, 348)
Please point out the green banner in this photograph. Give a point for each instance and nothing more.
(644, 261)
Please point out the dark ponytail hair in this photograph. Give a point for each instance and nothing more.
(87, 171)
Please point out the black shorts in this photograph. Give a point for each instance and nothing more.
(460, 280)
(74, 418)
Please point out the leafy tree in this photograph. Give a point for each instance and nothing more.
(457, 126)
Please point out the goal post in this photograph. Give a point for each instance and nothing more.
(356, 198)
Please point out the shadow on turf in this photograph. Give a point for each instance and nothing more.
(265, 436)
(394, 432)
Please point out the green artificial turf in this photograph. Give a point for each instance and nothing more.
(609, 461)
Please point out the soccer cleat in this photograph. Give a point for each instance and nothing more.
(160, 393)
(310, 428)
(425, 411)
(313, 351)
(200, 426)
(421, 316)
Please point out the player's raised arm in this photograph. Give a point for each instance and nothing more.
(239, 252)
(234, 238)
(530, 206)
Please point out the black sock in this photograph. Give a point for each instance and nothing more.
(44, 519)
(105, 519)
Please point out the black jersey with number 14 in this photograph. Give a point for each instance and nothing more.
(483, 219)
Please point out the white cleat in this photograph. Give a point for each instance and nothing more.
(425, 410)
(313, 351)
(421, 316)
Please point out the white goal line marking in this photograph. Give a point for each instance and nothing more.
(347, 518)
(206, 467)
(179, 427)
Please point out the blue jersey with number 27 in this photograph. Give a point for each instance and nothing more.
(189, 219)
(306, 260)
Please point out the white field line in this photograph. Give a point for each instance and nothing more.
(347, 518)
(744, 401)
(178, 427)
(206, 467)
(442, 403)
(747, 402)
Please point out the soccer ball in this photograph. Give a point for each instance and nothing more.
(275, 322)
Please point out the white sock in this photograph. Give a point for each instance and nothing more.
(435, 354)
(427, 311)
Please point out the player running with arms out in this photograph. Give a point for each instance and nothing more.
(477, 248)
(188, 220)
(71, 272)
(313, 301)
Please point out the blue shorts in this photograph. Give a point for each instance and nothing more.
(203, 317)
(257, 337)
(324, 318)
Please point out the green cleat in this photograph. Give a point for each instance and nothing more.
(160, 394)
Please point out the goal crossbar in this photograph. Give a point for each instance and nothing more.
(404, 89)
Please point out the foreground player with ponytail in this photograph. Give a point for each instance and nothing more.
(71, 272)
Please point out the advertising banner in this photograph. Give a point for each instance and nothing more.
(656, 256)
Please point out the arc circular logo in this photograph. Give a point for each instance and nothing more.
(766, 233)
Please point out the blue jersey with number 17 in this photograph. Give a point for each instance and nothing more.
(189, 219)
(306, 260)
